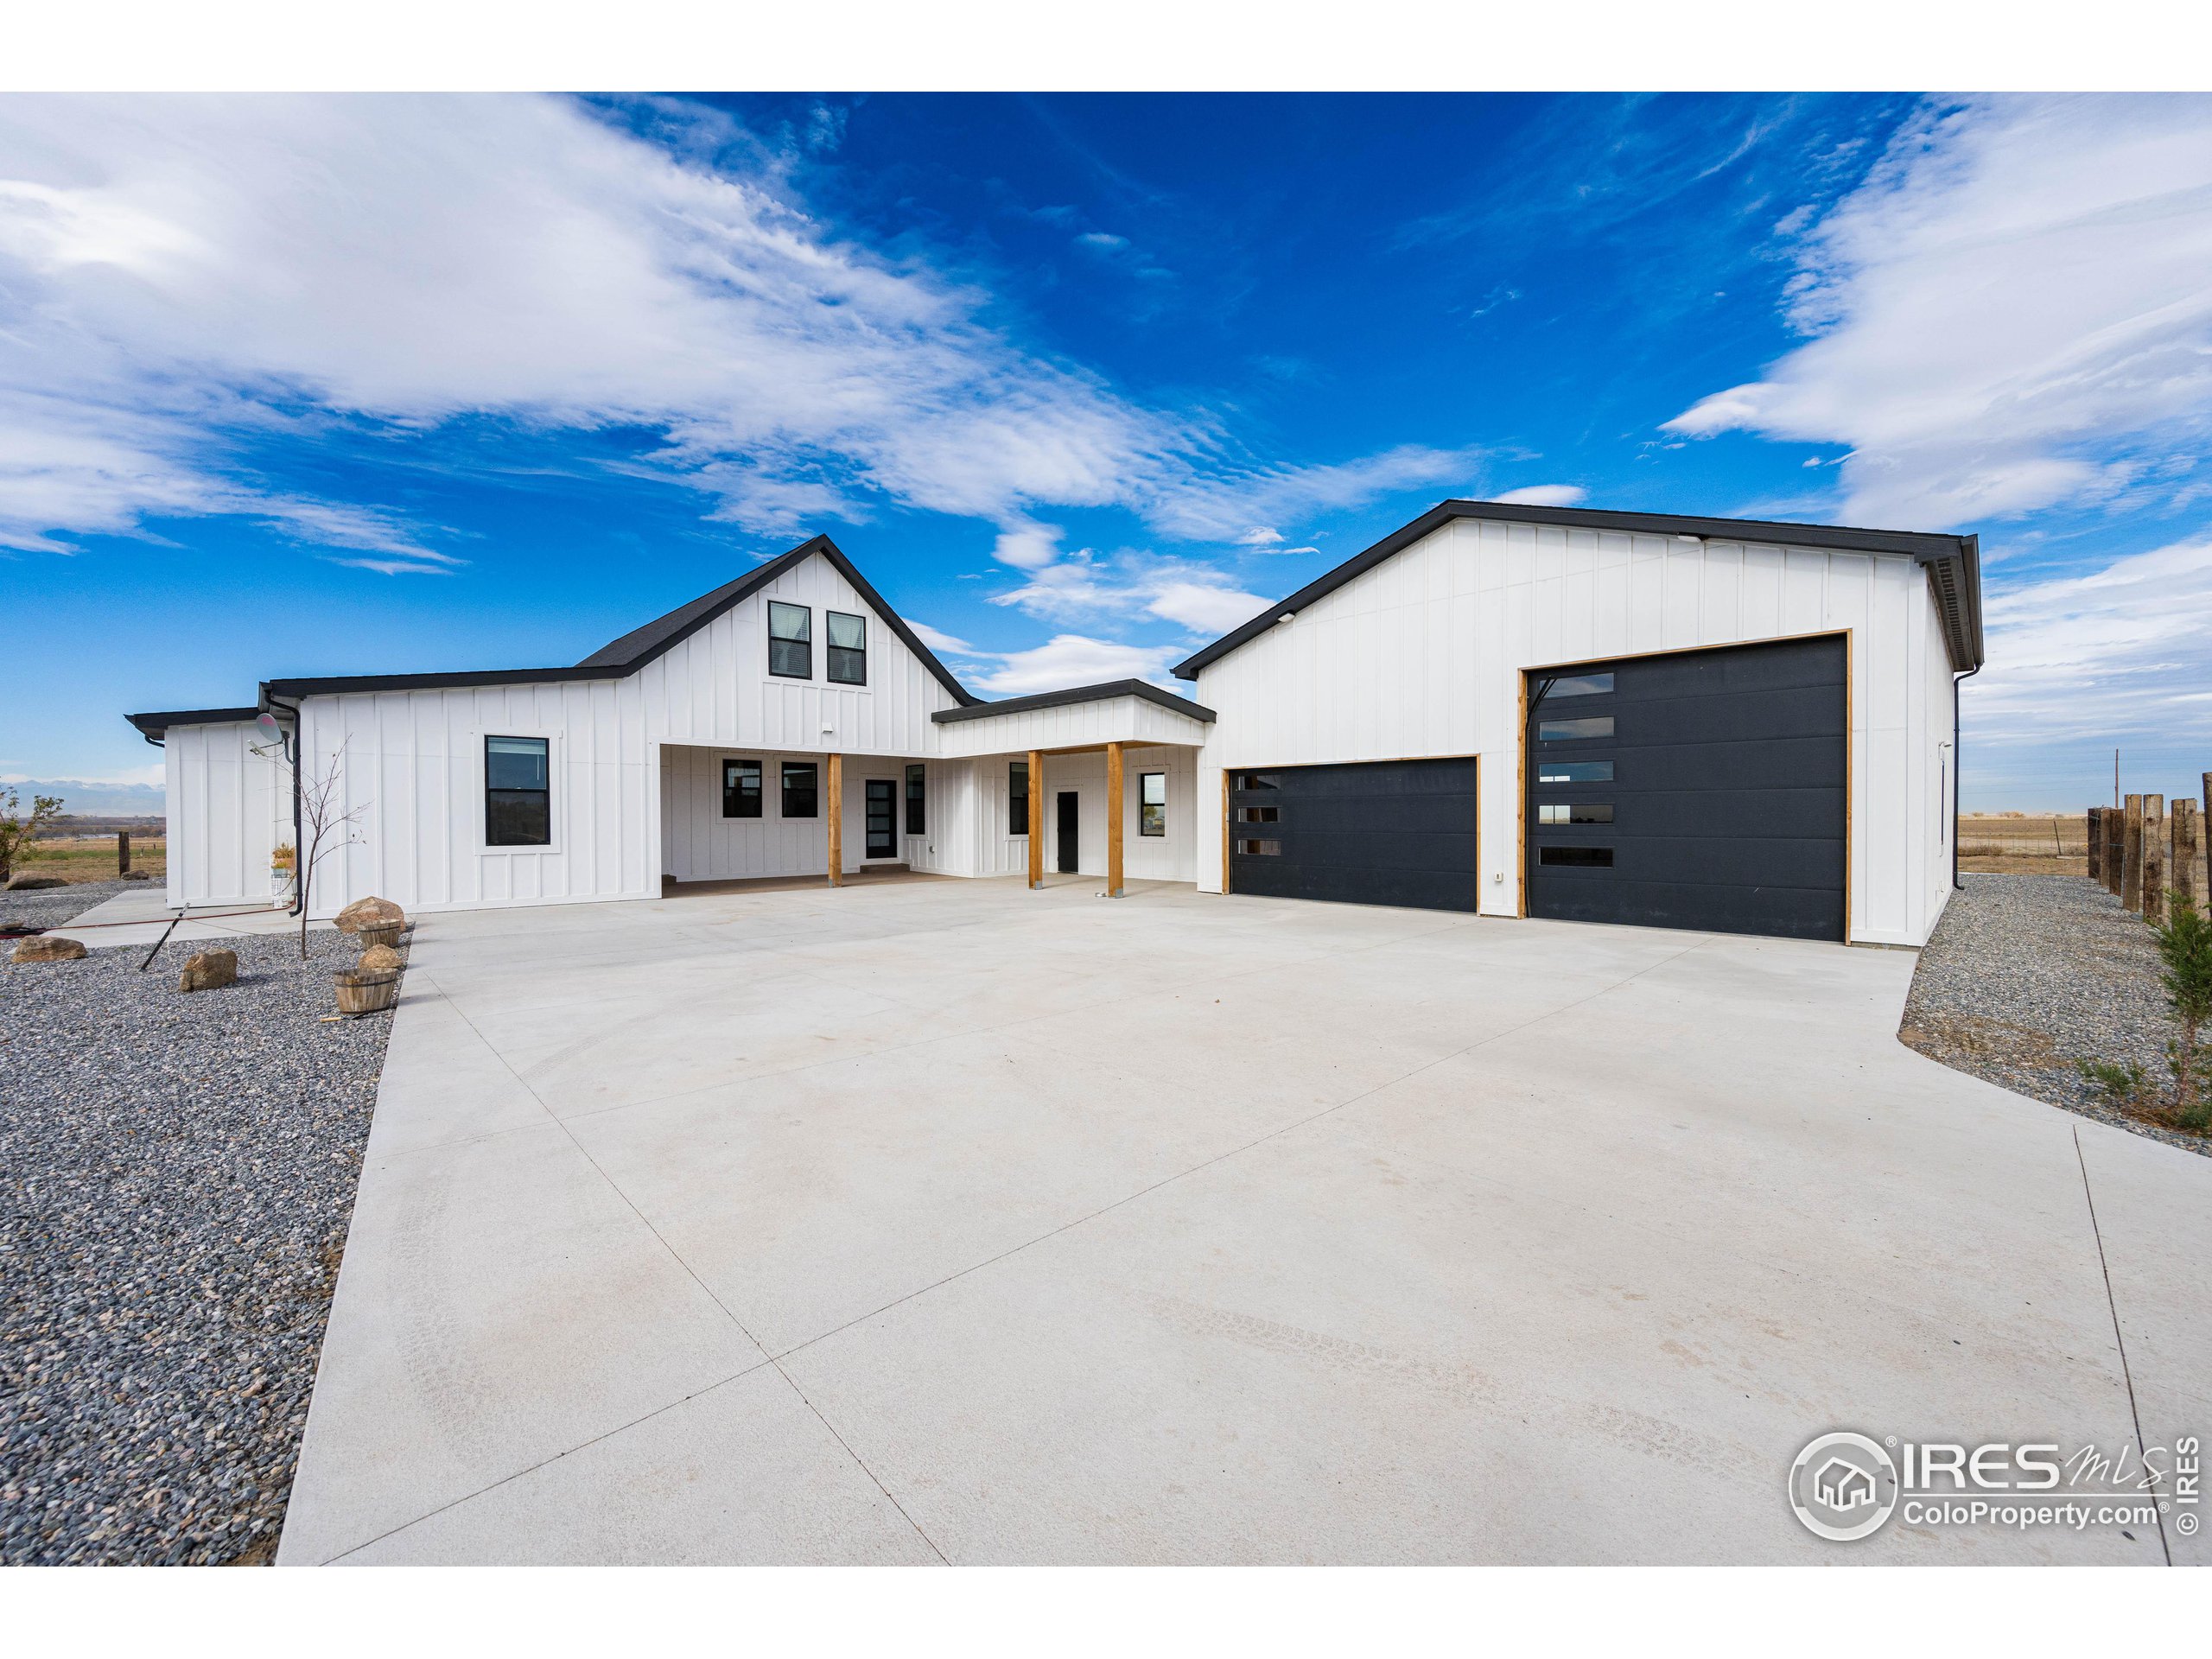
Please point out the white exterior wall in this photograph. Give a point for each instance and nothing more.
(413, 760)
(986, 848)
(228, 807)
(1423, 655)
(1108, 720)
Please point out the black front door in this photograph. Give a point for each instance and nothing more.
(1068, 798)
(883, 827)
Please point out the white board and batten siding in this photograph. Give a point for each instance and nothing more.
(1100, 719)
(1423, 655)
(413, 760)
(228, 808)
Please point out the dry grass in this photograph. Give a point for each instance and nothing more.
(92, 858)
(2034, 843)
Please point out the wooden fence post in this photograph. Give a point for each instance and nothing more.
(2184, 874)
(2115, 849)
(2096, 838)
(2131, 867)
(2154, 858)
(123, 852)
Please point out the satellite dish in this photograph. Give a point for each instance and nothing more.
(265, 723)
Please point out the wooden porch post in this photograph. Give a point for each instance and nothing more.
(1113, 820)
(835, 778)
(1036, 819)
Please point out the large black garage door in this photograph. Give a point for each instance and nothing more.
(1391, 832)
(1705, 790)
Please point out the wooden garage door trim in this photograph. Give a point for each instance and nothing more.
(1849, 636)
(1228, 771)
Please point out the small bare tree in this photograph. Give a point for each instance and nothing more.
(324, 827)
(17, 832)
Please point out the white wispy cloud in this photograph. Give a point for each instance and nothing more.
(2013, 313)
(938, 639)
(1089, 588)
(180, 274)
(1068, 659)
(1546, 495)
(2117, 653)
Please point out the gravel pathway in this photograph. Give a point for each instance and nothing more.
(51, 907)
(2027, 973)
(177, 1174)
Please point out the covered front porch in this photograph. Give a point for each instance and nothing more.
(1100, 781)
(734, 816)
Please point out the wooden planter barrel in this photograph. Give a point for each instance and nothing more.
(375, 936)
(361, 993)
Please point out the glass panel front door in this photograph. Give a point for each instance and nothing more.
(882, 826)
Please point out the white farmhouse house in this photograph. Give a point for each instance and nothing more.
(1707, 723)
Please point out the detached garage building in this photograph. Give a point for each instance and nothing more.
(1708, 723)
(1705, 723)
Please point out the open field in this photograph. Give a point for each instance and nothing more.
(92, 858)
(2032, 843)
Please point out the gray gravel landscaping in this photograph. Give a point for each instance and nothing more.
(2026, 974)
(176, 1172)
(51, 907)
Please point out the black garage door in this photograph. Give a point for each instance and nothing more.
(1391, 832)
(1705, 790)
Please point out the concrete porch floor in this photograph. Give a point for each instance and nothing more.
(942, 1220)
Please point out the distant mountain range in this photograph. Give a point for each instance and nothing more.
(106, 800)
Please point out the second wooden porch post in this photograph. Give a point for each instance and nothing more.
(1113, 821)
(1036, 819)
(835, 780)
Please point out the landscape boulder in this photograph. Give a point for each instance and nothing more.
(366, 915)
(209, 970)
(34, 883)
(381, 959)
(47, 947)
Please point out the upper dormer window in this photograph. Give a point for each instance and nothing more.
(848, 648)
(791, 640)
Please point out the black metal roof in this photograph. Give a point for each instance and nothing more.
(154, 725)
(1953, 562)
(623, 657)
(1079, 694)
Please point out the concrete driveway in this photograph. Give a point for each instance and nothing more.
(943, 1220)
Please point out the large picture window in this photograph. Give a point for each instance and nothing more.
(1017, 798)
(791, 640)
(801, 794)
(1151, 803)
(916, 813)
(740, 789)
(848, 648)
(518, 792)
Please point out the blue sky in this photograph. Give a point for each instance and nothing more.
(347, 386)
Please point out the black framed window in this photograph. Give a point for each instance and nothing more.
(1151, 803)
(518, 792)
(791, 640)
(1567, 731)
(1576, 858)
(740, 789)
(801, 794)
(848, 648)
(1017, 798)
(917, 786)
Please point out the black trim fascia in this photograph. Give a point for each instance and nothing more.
(152, 724)
(625, 656)
(1079, 694)
(1953, 563)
